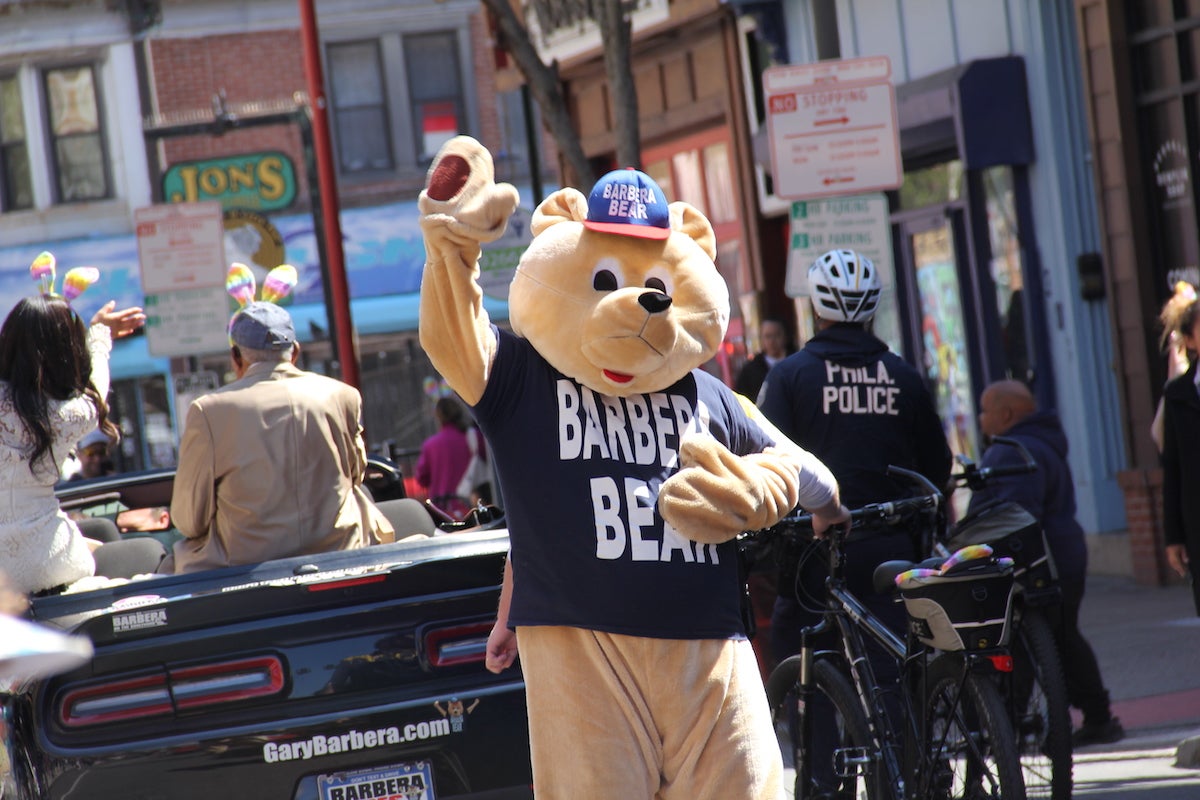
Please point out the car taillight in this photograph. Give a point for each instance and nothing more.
(459, 644)
(226, 682)
(114, 702)
(180, 688)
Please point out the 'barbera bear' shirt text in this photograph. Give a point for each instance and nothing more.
(580, 474)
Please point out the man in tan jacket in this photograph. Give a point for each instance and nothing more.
(271, 465)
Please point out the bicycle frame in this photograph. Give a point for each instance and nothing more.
(896, 744)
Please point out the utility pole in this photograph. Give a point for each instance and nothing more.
(339, 292)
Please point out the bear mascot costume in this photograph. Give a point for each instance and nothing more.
(627, 472)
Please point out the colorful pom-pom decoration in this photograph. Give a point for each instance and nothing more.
(77, 280)
(966, 554)
(912, 574)
(279, 283)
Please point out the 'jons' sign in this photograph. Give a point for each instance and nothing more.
(257, 181)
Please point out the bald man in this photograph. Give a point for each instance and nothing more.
(1008, 408)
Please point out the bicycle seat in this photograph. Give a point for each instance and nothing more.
(884, 577)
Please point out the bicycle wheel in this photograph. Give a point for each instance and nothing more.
(1041, 716)
(841, 762)
(972, 752)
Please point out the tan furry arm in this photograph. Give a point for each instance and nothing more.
(716, 494)
(461, 207)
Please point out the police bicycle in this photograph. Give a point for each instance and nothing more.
(1036, 691)
(942, 730)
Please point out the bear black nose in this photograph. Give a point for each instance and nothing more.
(654, 302)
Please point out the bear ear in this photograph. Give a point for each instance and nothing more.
(565, 205)
(687, 219)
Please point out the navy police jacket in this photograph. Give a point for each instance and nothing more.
(858, 407)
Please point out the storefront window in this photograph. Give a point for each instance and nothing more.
(1158, 65)
(140, 408)
(689, 179)
(1007, 272)
(718, 179)
(1152, 13)
(945, 336)
(1166, 63)
(660, 171)
(1171, 197)
(942, 183)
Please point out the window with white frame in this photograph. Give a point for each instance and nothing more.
(394, 99)
(52, 143)
(75, 134)
(16, 186)
(434, 89)
(359, 103)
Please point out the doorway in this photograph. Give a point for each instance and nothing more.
(932, 250)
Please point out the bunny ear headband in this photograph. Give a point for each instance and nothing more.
(278, 284)
(74, 282)
(239, 283)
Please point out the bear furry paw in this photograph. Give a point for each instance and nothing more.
(461, 192)
(716, 495)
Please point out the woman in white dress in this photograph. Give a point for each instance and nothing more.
(53, 380)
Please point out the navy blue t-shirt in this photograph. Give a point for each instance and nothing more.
(580, 474)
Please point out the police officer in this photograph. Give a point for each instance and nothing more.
(858, 407)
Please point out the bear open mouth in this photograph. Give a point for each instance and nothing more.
(617, 377)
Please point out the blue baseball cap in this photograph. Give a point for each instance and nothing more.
(629, 203)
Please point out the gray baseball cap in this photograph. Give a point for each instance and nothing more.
(262, 326)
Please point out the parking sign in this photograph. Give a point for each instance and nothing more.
(832, 128)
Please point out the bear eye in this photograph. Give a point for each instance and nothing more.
(604, 281)
(660, 278)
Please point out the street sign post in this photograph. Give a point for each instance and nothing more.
(832, 128)
(859, 223)
(181, 252)
(190, 386)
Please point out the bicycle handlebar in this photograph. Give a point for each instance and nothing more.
(757, 545)
(976, 478)
(873, 512)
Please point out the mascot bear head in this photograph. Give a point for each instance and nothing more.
(619, 289)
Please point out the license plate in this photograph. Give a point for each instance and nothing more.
(411, 781)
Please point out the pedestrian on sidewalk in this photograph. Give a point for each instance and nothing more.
(1176, 315)
(1181, 454)
(774, 347)
(1008, 408)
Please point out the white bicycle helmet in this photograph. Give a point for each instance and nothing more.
(844, 286)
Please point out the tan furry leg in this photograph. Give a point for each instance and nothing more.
(627, 717)
(718, 737)
(590, 732)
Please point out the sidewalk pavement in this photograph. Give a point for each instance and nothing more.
(1147, 640)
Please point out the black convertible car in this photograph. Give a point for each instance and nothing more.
(342, 676)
